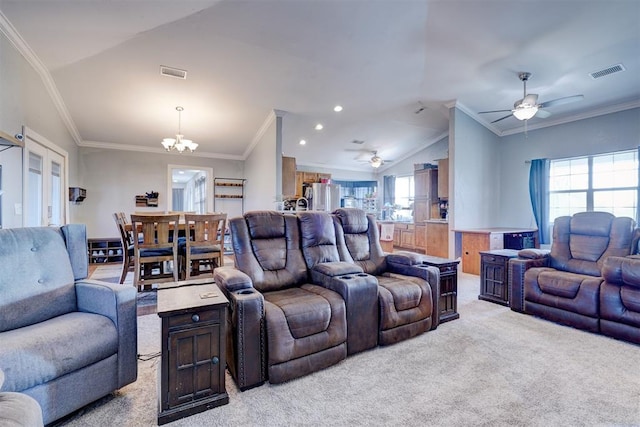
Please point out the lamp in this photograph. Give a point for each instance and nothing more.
(525, 111)
(376, 162)
(178, 143)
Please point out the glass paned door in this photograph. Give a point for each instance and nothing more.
(44, 176)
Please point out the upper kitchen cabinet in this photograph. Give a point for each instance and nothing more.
(443, 179)
(425, 204)
(288, 176)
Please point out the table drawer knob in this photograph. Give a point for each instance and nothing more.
(195, 318)
(215, 360)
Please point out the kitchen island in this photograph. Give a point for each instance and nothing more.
(470, 242)
(429, 237)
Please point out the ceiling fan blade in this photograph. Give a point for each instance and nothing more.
(543, 114)
(502, 118)
(561, 101)
(531, 99)
(494, 111)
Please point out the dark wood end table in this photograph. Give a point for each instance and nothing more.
(448, 286)
(494, 275)
(192, 369)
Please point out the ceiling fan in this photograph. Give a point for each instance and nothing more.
(376, 161)
(528, 107)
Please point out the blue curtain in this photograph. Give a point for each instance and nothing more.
(389, 195)
(539, 193)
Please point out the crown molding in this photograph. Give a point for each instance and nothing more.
(263, 129)
(141, 149)
(25, 50)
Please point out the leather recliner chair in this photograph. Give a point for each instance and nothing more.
(358, 289)
(563, 285)
(620, 298)
(280, 326)
(408, 294)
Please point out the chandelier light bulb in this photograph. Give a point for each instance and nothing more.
(178, 143)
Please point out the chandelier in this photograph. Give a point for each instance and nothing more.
(179, 143)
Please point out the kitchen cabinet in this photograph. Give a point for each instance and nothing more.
(303, 177)
(407, 237)
(404, 235)
(443, 179)
(425, 204)
(437, 234)
(288, 176)
(420, 238)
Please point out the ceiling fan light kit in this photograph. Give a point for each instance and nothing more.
(179, 143)
(528, 107)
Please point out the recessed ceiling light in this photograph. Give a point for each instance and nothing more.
(337, 108)
(302, 142)
(319, 126)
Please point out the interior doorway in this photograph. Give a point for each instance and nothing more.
(189, 189)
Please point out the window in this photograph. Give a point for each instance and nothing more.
(404, 198)
(604, 182)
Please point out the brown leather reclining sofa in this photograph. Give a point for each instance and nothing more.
(566, 284)
(309, 289)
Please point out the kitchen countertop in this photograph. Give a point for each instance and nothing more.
(489, 230)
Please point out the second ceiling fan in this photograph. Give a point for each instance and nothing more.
(528, 107)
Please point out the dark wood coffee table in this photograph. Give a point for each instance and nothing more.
(192, 369)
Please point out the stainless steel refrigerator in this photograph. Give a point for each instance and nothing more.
(325, 197)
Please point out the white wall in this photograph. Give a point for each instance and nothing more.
(261, 169)
(475, 174)
(24, 100)
(113, 178)
(602, 134)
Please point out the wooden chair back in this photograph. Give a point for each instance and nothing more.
(205, 242)
(156, 242)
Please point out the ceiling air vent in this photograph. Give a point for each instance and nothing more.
(173, 72)
(613, 69)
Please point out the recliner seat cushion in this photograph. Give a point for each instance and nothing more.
(38, 353)
(403, 300)
(296, 321)
(306, 313)
(577, 293)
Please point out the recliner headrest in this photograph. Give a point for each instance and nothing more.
(316, 229)
(592, 223)
(265, 224)
(354, 221)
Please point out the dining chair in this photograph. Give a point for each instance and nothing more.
(126, 238)
(203, 250)
(157, 242)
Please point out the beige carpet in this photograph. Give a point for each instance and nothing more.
(491, 367)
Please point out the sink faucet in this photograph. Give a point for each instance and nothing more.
(306, 204)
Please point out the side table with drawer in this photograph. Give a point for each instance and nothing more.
(192, 369)
(494, 275)
(448, 286)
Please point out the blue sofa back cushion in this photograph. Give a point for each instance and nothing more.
(39, 261)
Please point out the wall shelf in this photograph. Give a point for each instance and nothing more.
(228, 188)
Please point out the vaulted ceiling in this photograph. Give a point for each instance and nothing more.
(395, 66)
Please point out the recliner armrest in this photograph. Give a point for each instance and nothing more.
(337, 268)
(230, 279)
(118, 303)
(517, 268)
